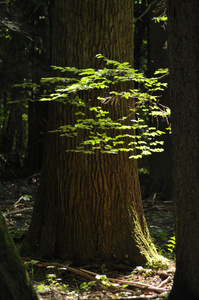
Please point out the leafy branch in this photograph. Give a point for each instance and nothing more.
(129, 133)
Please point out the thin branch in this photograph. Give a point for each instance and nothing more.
(92, 276)
(160, 77)
(145, 12)
(21, 181)
(131, 283)
(17, 211)
(16, 202)
(165, 281)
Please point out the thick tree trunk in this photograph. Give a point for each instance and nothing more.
(89, 207)
(14, 281)
(184, 79)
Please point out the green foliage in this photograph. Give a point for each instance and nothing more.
(30, 267)
(158, 263)
(128, 133)
(106, 282)
(103, 279)
(86, 286)
(171, 244)
(161, 234)
(51, 282)
(160, 19)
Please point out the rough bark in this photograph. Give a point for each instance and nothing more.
(14, 280)
(184, 78)
(88, 207)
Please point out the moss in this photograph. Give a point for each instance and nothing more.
(14, 279)
(158, 262)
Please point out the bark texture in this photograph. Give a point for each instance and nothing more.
(14, 281)
(184, 79)
(88, 207)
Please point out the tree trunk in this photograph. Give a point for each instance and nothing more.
(88, 206)
(140, 35)
(14, 281)
(160, 163)
(184, 78)
(37, 117)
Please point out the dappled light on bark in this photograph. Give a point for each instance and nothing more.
(89, 207)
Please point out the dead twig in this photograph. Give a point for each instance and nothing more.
(18, 211)
(132, 283)
(165, 281)
(21, 181)
(92, 277)
(21, 198)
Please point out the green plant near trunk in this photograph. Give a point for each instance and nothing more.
(133, 132)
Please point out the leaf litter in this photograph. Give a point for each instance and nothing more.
(101, 280)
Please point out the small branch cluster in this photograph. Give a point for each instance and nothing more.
(94, 120)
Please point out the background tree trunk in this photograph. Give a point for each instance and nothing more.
(14, 281)
(140, 35)
(37, 118)
(184, 78)
(88, 206)
(160, 163)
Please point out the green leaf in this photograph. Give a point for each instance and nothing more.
(94, 122)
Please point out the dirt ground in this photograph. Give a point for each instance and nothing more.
(102, 280)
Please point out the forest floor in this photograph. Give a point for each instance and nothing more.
(105, 280)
